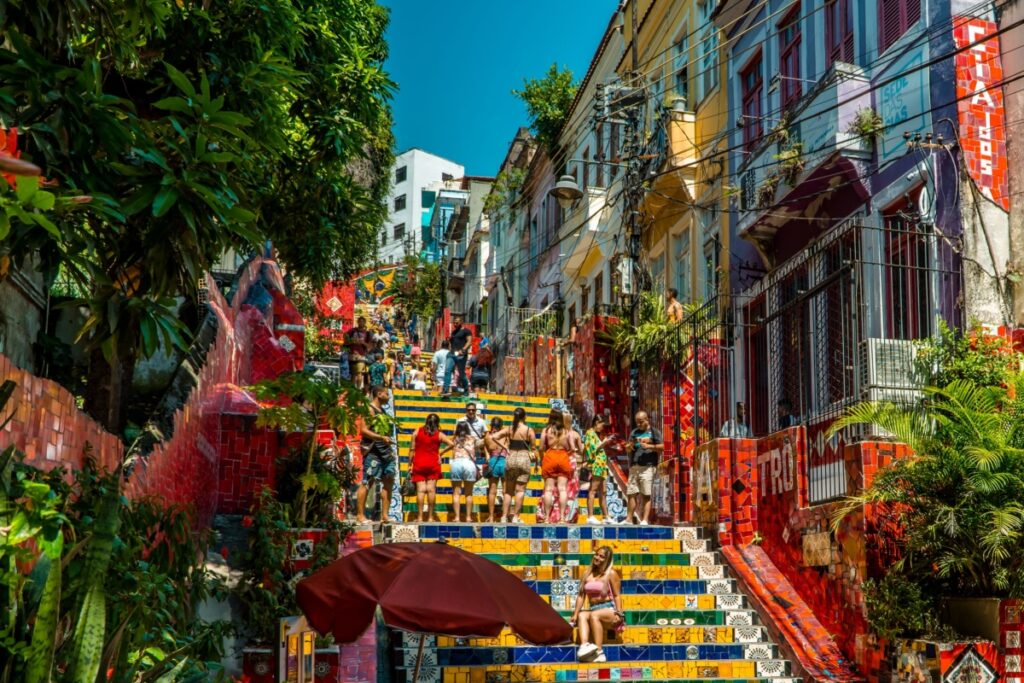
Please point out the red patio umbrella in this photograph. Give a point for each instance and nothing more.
(426, 588)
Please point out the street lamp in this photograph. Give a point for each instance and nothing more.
(566, 191)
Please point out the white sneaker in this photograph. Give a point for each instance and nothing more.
(643, 522)
(586, 652)
(593, 520)
(600, 657)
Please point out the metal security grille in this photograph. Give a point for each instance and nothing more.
(836, 325)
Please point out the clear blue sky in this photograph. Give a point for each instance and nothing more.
(457, 62)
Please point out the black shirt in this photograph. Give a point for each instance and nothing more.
(642, 455)
(372, 447)
(460, 338)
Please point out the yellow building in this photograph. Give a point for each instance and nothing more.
(681, 66)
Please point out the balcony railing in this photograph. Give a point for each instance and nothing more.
(820, 129)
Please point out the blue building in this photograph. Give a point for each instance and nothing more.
(852, 232)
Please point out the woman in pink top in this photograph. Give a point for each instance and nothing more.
(601, 587)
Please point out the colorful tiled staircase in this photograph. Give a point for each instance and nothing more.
(411, 409)
(686, 620)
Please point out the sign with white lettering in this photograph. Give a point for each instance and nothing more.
(979, 74)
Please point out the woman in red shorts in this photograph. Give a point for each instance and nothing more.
(426, 464)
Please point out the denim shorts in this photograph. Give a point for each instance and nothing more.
(377, 468)
(607, 604)
(463, 470)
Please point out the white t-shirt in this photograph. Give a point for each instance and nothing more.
(438, 362)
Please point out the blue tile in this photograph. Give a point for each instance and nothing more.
(487, 532)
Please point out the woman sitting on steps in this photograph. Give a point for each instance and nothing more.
(601, 587)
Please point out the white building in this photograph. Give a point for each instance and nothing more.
(410, 201)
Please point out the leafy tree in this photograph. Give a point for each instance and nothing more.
(305, 402)
(548, 100)
(193, 127)
(505, 186)
(985, 359)
(420, 291)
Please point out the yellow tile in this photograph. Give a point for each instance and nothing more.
(743, 669)
(706, 601)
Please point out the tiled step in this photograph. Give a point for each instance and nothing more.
(563, 654)
(717, 671)
(659, 634)
(554, 532)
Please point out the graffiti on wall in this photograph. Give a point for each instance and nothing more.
(776, 466)
(979, 73)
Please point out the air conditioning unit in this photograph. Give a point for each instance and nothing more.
(888, 364)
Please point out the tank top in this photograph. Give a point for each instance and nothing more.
(520, 444)
(597, 588)
(427, 445)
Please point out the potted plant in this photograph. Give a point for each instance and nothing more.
(791, 164)
(765, 194)
(866, 125)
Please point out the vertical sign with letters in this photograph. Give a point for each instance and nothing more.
(979, 76)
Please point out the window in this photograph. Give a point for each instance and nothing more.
(400, 202)
(908, 271)
(401, 173)
(752, 85)
(658, 273)
(598, 289)
(789, 57)
(707, 79)
(383, 237)
(613, 148)
(895, 17)
(839, 32)
(681, 62)
(586, 169)
(400, 231)
(710, 266)
(683, 267)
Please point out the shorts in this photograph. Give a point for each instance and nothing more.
(607, 604)
(377, 468)
(518, 466)
(556, 464)
(463, 470)
(641, 480)
(496, 467)
(426, 472)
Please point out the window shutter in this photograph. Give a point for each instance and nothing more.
(913, 13)
(890, 20)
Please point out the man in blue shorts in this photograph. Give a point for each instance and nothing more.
(379, 462)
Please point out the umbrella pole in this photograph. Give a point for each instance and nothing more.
(419, 659)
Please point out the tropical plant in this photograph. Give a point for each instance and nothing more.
(267, 589)
(959, 501)
(866, 124)
(304, 402)
(94, 582)
(548, 100)
(898, 608)
(191, 127)
(655, 339)
(419, 291)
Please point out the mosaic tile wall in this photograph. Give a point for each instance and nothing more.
(48, 426)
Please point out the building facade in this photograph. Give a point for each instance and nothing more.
(411, 202)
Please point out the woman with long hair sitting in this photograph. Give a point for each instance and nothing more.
(601, 590)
